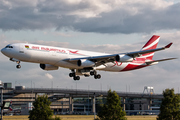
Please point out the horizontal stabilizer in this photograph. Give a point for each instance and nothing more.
(169, 45)
(156, 61)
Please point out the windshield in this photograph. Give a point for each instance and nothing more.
(8, 46)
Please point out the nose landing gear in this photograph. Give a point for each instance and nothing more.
(18, 66)
(17, 61)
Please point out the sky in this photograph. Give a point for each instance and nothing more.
(111, 26)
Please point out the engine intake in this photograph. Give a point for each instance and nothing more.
(123, 58)
(48, 67)
(85, 63)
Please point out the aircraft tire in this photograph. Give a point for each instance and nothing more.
(74, 78)
(70, 74)
(92, 73)
(77, 77)
(95, 76)
(18, 66)
(98, 76)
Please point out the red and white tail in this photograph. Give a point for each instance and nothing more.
(151, 44)
(10, 106)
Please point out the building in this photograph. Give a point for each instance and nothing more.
(74, 101)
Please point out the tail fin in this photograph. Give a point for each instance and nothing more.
(151, 44)
(10, 106)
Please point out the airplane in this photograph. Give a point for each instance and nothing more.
(80, 62)
(10, 109)
(13, 110)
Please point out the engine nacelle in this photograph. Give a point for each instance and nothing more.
(48, 67)
(85, 63)
(123, 58)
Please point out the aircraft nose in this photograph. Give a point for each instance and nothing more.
(3, 50)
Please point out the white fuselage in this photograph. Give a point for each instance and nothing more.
(56, 55)
(82, 62)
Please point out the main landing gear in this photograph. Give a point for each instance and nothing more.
(73, 74)
(96, 76)
(92, 73)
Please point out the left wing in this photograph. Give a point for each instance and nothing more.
(121, 57)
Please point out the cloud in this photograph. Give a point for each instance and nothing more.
(52, 43)
(49, 76)
(102, 16)
(61, 34)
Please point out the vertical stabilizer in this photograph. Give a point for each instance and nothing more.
(151, 44)
(10, 106)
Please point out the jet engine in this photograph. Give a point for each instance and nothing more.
(85, 63)
(123, 58)
(48, 67)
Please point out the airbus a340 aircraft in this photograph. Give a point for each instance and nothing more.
(82, 62)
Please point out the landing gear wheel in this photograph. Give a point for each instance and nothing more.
(98, 76)
(95, 76)
(76, 78)
(93, 73)
(71, 74)
(18, 66)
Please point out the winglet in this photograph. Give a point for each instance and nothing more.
(168, 46)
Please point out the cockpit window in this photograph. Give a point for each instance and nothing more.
(8, 46)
